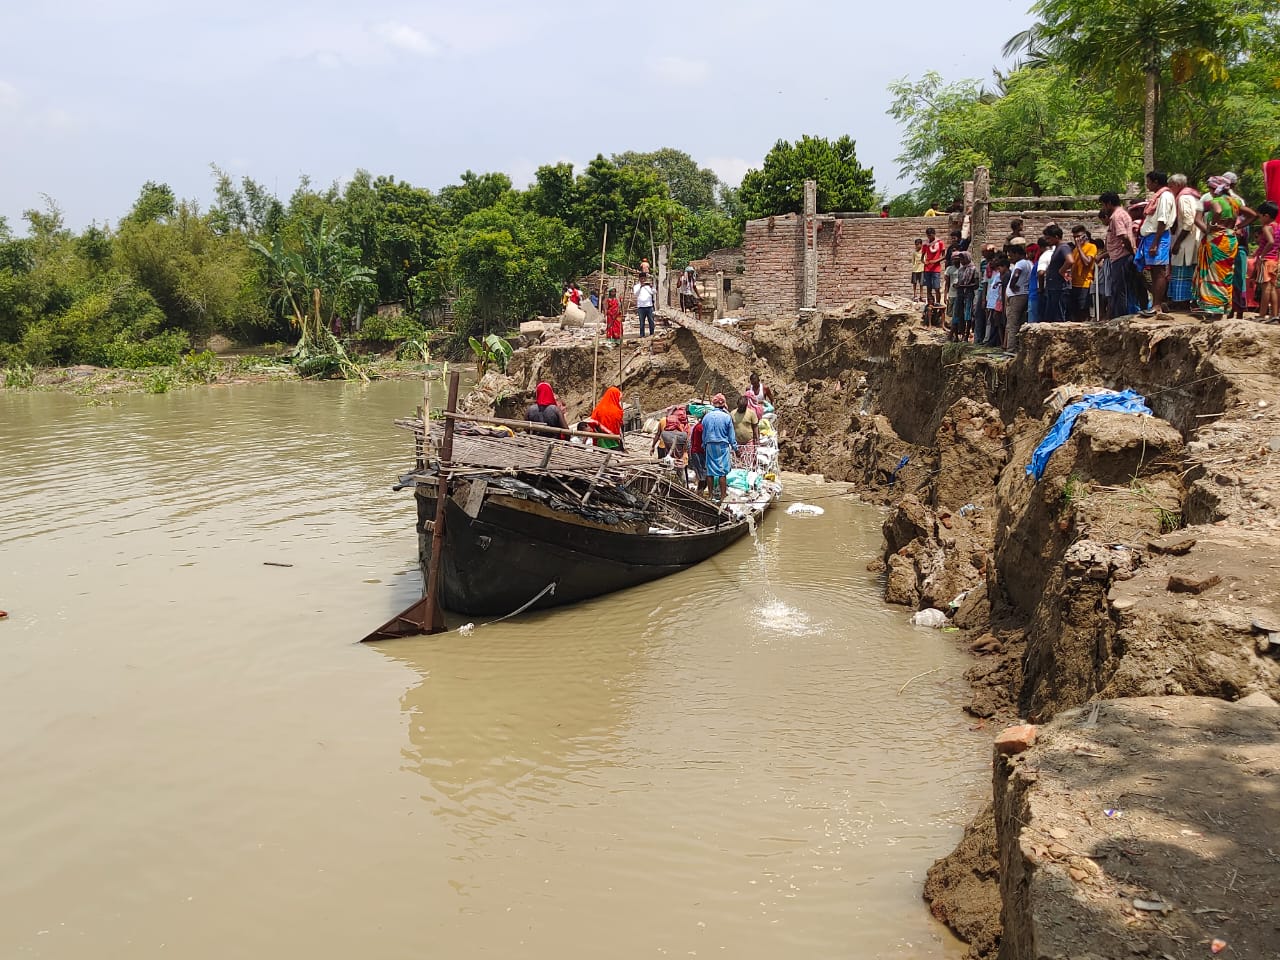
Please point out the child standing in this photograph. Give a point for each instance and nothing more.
(917, 269)
(949, 277)
(1268, 258)
(995, 301)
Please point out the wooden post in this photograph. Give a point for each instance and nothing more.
(595, 360)
(433, 619)
(981, 210)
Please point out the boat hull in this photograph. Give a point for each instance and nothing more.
(510, 552)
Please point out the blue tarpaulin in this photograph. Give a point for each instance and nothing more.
(1124, 402)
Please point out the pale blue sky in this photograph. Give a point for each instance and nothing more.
(98, 96)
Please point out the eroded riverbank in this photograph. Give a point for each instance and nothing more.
(1145, 563)
(200, 760)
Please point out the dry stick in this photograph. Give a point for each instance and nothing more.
(917, 677)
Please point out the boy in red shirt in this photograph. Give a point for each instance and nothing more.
(934, 249)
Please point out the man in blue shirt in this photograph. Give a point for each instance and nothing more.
(718, 438)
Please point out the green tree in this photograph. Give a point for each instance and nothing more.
(688, 184)
(1037, 133)
(249, 208)
(778, 186)
(1137, 48)
(203, 281)
(155, 202)
(476, 191)
(554, 192)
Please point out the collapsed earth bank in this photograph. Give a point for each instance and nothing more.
(1141, 569)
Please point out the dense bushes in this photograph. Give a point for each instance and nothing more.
(168, 275)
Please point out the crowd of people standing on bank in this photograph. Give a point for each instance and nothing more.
(1181, 248)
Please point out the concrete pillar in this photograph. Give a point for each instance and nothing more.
(809, 298)
(719, 294)
(966, 224)
(981, 209)
(662, 274)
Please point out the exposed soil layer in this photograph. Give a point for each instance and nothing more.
(1145, 829)
(1144, 563)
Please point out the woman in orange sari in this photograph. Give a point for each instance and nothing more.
(608, 414)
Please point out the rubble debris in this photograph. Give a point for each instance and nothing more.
(1193, 581)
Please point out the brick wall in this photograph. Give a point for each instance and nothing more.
(857, 257)
(774, 253)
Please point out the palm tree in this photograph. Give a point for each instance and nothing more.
(1130, 43)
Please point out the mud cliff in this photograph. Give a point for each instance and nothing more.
(1141, 569)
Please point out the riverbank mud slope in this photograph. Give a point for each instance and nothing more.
(1140, 572)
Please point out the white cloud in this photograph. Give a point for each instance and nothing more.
(680, 71)
(9, 97)
(729, 169)
(402, 36)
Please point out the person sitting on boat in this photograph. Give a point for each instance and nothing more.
(545, 408)
(671, 439)
(746, 426)
(608, 413)
(720, 440)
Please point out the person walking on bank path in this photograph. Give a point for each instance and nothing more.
(613, 317)
(644, 302)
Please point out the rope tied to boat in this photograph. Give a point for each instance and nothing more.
(550, 588)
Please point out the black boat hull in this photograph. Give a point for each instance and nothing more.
(508, 554)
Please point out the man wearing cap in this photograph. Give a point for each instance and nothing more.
(719, 439)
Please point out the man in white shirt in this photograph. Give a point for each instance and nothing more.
(1015, 296)
(644, 302)
(1153, 237)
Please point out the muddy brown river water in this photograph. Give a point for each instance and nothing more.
(200, 762)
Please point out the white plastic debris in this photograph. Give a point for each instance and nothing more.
(804, 510)
(959, 599)
(929, 618)
(466, 628)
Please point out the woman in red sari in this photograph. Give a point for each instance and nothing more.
(608, 414)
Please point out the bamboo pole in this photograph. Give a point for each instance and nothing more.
(595, 360)
(526, 425)
(433, 618)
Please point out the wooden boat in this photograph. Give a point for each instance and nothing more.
(534, 522)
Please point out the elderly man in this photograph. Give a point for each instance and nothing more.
(1184, 254)
(720, 441)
